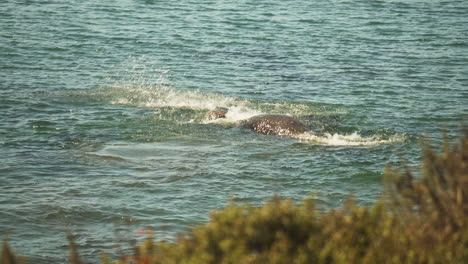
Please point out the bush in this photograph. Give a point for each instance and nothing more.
(417, 220)
(8, 256)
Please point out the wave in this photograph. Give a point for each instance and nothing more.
(156, 97)
(160, 94)
(353, 139)
(148, 87)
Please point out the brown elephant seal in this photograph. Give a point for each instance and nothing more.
(218, 112)
(281, 125)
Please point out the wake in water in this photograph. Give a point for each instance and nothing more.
(160, 95)
(353, 139)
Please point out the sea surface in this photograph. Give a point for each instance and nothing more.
(102, 105)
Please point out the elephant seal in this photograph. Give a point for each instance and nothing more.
(218, 112)
(281, 125)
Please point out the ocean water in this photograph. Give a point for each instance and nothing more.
(102, 103)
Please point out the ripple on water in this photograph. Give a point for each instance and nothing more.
(102, 108)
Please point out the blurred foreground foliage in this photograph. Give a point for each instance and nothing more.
(417, 220)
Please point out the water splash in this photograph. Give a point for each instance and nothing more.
(155, 91)
(143, 85)
(160, 95)
(157, 96)
(354, 139)
(235, 114)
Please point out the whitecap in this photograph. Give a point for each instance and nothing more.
(354, 139)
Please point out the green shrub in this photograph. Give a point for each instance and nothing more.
(417, 220)
(8, 256)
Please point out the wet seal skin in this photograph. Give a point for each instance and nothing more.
(281, 125)
(218, 112)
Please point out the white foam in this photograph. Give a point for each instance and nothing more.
(160, 95)
(157, 95)
(149, 87)
(143, 85)
(353, 139)
(235, 114)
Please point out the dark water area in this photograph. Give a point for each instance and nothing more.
(102, 106)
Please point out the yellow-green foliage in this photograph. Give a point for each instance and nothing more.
(422, 220)
(416, 221)
(8, 256)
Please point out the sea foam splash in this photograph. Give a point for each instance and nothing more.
(353, 139)
(160, 95)
(155, 96)
(141, 93)
(149, 87)
(235, 114)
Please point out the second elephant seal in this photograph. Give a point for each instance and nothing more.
(218, 112)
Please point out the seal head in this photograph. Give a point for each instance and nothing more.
(218, 112)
